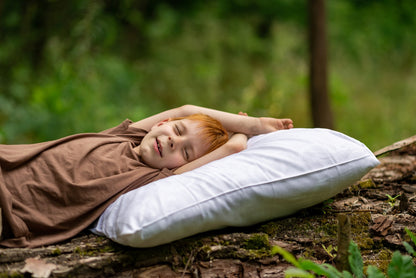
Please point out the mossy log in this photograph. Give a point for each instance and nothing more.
(376, 222)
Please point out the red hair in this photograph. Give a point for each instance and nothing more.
(212, 131)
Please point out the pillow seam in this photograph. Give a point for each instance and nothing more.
(250, 186)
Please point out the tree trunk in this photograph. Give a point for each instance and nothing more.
(318, 88)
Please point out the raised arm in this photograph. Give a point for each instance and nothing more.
(232, 122)
(147, 123)
(241, 124)
(235, 144)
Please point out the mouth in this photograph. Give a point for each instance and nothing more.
(158, 147)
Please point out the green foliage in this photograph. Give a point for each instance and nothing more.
(392, 200)
(330, 250)
(374, 272)
(408, 247)
(355, 260)
(76, 66)
(401, 266)
(286, 255)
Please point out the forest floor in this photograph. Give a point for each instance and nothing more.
(379, 207)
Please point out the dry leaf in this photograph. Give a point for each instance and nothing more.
(38, 268)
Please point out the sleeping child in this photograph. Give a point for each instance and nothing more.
(51, 191)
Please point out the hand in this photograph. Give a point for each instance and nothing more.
(267, 125)
(237, 143)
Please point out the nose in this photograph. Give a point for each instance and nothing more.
(174, 141)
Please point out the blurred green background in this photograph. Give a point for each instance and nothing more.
(84, 66)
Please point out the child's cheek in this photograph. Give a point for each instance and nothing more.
(177, 161)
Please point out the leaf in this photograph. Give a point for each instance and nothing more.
(401, 266)
(286, 255)
(355, 260)
(324, 269)
(346, 274)
(333, 272)
(312, 266)
(297, 272)
(411, 235)
(329, 250)
(38, 268)
(374, 272)
(409, 248)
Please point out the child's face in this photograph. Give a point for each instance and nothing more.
(171, 144)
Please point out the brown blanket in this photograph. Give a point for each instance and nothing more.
(51, 191)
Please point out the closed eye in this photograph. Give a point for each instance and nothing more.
(185, 154)
(178, 131)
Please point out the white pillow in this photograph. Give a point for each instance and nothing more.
(278, 174)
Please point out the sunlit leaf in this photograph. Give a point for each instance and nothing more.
(401, 266)
(409, 248)
(286, 255)
(320, 269)
(297, 272)
(355, 260)
(411, 235)
(374, 272)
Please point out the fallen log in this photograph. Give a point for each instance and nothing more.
(377, 226)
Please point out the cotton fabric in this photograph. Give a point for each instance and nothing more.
(51, 191)
(278, 174)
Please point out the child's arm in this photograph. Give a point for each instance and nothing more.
(243, 124)
(231, 122)
(147, 123)
(235, 144)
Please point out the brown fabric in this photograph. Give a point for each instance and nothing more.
(51, 191)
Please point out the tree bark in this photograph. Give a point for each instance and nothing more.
(374, 224)
(318, 88)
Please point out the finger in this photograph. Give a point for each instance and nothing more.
(287, 123)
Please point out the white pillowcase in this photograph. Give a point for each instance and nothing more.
(278, 174)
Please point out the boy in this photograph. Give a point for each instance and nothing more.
(51, 191)
(239, 126)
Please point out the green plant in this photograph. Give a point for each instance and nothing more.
(392, 200)
(408, 247)
(307, 268)
(330, 250)
(326, 206)
(401, 266)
